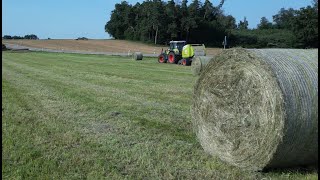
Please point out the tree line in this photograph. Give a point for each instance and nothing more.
(29, 36)
(158, 22)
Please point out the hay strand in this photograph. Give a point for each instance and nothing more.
(198, 63)
(258, 109)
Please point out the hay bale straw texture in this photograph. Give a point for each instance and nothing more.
(137, 56)
(258, 108)
(198, 63)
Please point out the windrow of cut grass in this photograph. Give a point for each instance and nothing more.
(71, 116)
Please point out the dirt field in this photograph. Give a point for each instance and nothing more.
(120, 46)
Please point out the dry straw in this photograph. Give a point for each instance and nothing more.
(258, 109)
(198, 63)
(137, 56)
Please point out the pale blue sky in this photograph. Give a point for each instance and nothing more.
(69, 19)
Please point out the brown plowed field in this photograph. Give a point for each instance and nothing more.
(120, 46)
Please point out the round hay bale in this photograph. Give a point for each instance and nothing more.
(137, 56)
(258, 109)
(198, 63)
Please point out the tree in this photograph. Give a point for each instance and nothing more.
(172, 19)
(7, 37)
(118, 20)
(207, 10)
(82, 38)
(17, 37)
(159, 22)
(190, 16)
(220, 4)
(284, 18)
(305, 26)
(243, 24)
(227, 22)
(31, 36)
(315, 5)
(157, 17)
(184, 26)
(264, 24)
(194, 11)
(217, 9)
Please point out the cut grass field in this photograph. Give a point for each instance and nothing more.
(71, 116)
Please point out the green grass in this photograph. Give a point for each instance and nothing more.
(69, 116)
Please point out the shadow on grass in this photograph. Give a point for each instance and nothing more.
(300, 170)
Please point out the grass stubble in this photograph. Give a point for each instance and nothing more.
(71, 116)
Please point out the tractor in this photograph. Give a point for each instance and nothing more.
(180, 52)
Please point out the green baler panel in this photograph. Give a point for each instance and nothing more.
(187, 51)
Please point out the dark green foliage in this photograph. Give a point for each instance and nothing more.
(243, 24)
(303, 23)
(158, 22)
(290, 29)
(28, 36)
(119, 21)
(172, 17)
(284, 18)
(17, 37)
(261, 38)
(265, 24)
(305, 27)
(82, 38)
(31, 36)
(207, 10)
(7, 37)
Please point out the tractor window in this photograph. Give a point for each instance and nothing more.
(177, 45)
(180, 46)
(172, 45)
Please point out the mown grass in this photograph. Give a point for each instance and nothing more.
(69, 116)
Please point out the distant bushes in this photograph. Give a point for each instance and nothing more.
(257, 38)
(29, 36)
(12, 37)
(82, 38)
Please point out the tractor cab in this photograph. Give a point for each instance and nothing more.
(177, 45)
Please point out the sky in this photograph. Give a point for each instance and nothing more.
(70, 19)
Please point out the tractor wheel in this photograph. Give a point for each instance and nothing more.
(172, 58)
(162, 58)
(186, 62)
